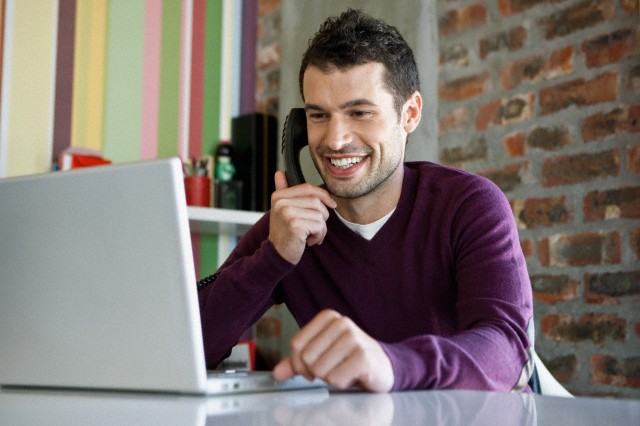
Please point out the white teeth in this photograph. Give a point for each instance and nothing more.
(345, 163)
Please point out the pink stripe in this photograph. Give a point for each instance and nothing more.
(197, 77)
(151, 79)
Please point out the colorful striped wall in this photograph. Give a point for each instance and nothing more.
(135, 79)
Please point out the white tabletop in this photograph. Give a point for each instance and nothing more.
(312, 407)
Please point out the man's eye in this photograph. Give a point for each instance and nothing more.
(360, 114)
(317, 116)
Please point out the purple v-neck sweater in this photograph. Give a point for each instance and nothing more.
(443, 285)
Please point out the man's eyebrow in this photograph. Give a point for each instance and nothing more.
(356, 103)
(346, 105)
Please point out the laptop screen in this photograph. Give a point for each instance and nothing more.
(97, 280)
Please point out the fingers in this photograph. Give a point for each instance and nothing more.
(334, 349)
(280, 179)
(298, 217)
(283, 370)
(303, 190)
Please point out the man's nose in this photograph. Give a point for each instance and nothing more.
(338, 134)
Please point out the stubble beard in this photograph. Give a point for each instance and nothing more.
(369, 183)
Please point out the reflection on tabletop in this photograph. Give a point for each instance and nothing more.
(311, 407)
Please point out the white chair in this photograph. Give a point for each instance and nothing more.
(548, 384)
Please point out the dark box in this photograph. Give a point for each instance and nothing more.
(255, 145)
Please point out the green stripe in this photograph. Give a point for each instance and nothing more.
(211, 114)
(212, 76)
(124, 73)
(169, 108)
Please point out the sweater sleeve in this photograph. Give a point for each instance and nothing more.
(490, 350)
(242, 291)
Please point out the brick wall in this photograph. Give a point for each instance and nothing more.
(268, 57)
(543, 97)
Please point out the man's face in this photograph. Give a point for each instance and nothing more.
(356, 139)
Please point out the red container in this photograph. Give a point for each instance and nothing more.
(198, 191)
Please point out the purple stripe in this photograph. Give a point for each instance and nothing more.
(64, 77)
(248, 60)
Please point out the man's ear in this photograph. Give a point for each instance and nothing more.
(412, 112)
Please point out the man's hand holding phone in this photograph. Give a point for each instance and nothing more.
(298, 217)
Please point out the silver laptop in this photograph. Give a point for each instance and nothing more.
(97, 285)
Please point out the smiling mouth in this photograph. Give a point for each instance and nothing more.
(345, 163)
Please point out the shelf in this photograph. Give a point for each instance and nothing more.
(205, 220)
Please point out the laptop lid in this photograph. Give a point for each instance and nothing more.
(97, 284)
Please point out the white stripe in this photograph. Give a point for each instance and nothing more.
(187, 38)
(54, 69)
(7, 67)
(236, 64)
(231, 30)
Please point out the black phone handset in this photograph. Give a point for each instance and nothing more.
(294, 138)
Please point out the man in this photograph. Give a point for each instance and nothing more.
(401, 275)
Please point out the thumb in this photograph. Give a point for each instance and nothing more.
(280, 179)
(283, 370)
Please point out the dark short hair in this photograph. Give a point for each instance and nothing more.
(355, 38)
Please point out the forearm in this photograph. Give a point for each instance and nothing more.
(241, 293)
(489, 357)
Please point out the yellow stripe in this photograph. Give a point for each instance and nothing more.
(89, 74)
(32, 62)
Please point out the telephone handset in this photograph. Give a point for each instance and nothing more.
(294, 138)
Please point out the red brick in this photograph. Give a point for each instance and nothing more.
(633, 83)
(563, 368)
(527, 248)
(465, 87)
(268, 328)
(454, 120)
(509, 177)
(589, 248)
(579, 92)
(583, 167)
(635, 242)
(455, 54)
(514, 144)
(462, 19)
(473, 151)
(267, 6)
(554, 288)
(488, 115)
(633, 158)
(511, 7)
(548, 139)
(633, 119)
(504, 111)
(610, 48)
(535, 213)
(630, 7)
(622, 119)
(612, 204)
(268, 57)
(511, 40)
(537, 68)
(596, 327)
(609, 288)
(517, 108)
(544, 252)
(578, 16)
(608, 370)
